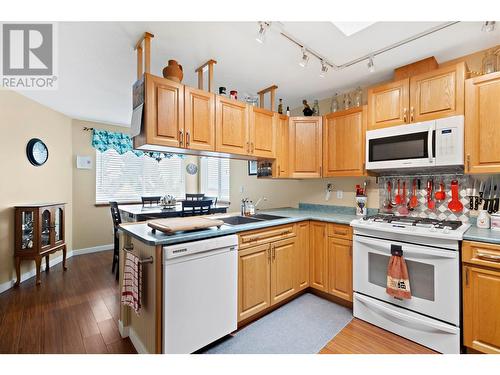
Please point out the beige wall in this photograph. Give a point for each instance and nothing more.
(92, 224)
(23, 183)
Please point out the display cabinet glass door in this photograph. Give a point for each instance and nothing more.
(58, 225)
(27, 228)
(45, 228)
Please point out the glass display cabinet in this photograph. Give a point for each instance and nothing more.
(39, 232)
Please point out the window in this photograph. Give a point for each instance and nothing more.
(215, 177)
(127, 177)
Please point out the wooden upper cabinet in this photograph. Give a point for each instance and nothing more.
(302, 256)
(482, 124)
(388, 104)
(231, 126)
(344, 143)
(165, 111)
(318, 256)
(437, 93)
(305, 147)
(262, 132)
(199, 119)
(254, 278)
(340, 268)
(282, 147)
(283, 270)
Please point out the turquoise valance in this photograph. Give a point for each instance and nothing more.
(104, 140)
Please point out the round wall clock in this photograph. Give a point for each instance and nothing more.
(191, 168)
(37, 152)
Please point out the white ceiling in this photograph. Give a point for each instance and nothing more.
(97, 63)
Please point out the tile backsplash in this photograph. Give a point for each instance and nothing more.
(441, 210)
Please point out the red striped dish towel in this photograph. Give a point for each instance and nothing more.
(132, 282)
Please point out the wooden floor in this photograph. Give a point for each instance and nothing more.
(70, 312)
(77, 312)
(359, 337)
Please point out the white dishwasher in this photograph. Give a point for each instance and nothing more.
(200, 286)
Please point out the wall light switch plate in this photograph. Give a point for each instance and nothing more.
(83, 162)
(340, 194)
(242, 189)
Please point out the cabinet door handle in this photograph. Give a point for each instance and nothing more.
(181, 138)
(279, 170)
(468, 162)
(248, 147)
(489, 257)
(188, 139)
(411, 114)
(252, 147)
(467, 276)
(405, 118)
(274, 252)
(269, 255)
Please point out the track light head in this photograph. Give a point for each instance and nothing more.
(261, 36)
(371, 65)
(488, 26)
(304, 59)
(324, 69)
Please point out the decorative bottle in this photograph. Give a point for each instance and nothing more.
(280, 107)
(316, 108)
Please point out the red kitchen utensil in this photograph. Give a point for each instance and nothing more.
(430, 187)
(398, 199)
(455, 205)
(414, 200)
(440, 195)
(389, 191)
(403, 210)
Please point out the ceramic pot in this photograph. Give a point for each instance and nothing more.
(173, 71)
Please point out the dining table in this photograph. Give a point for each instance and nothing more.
(139, 212)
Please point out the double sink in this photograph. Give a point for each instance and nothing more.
(239, 220)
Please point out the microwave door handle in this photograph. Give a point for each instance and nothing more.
(429, 143)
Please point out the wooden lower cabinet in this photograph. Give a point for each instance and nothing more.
(317, 256)
(340, 268)
(283, 270)
(302, 256)
(481, 296)
(254, 278)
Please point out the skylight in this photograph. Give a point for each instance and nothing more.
(350, 28)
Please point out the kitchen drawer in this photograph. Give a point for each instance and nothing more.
(481, 254)
(262, 236)
(341, 231)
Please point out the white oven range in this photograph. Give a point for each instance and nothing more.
(431, 251)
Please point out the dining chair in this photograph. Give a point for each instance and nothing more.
(117, 220)
(196, 207)
(213, 199)
(151, 200)
(194, 197)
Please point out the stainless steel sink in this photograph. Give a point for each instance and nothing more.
(238, 220)
(267, 217)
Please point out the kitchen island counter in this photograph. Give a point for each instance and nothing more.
(329, 214)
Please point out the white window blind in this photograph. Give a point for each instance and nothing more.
(127, 177)
(215, 177)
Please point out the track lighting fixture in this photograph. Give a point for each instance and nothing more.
(304, 59)
(324, 69)
(261, 37)
(371, 65)
(488, 26)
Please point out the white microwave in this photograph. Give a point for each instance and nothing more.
(436, 143)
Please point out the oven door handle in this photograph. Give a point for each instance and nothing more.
(376, 245)
(429, 143)
(407, 318)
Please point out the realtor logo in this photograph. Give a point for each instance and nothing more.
(28, 56)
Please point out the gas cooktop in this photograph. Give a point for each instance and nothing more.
(415, 226)
(415, 221)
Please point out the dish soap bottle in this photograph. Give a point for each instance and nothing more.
(288, 111)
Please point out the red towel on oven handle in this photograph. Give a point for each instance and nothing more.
(398, 281)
